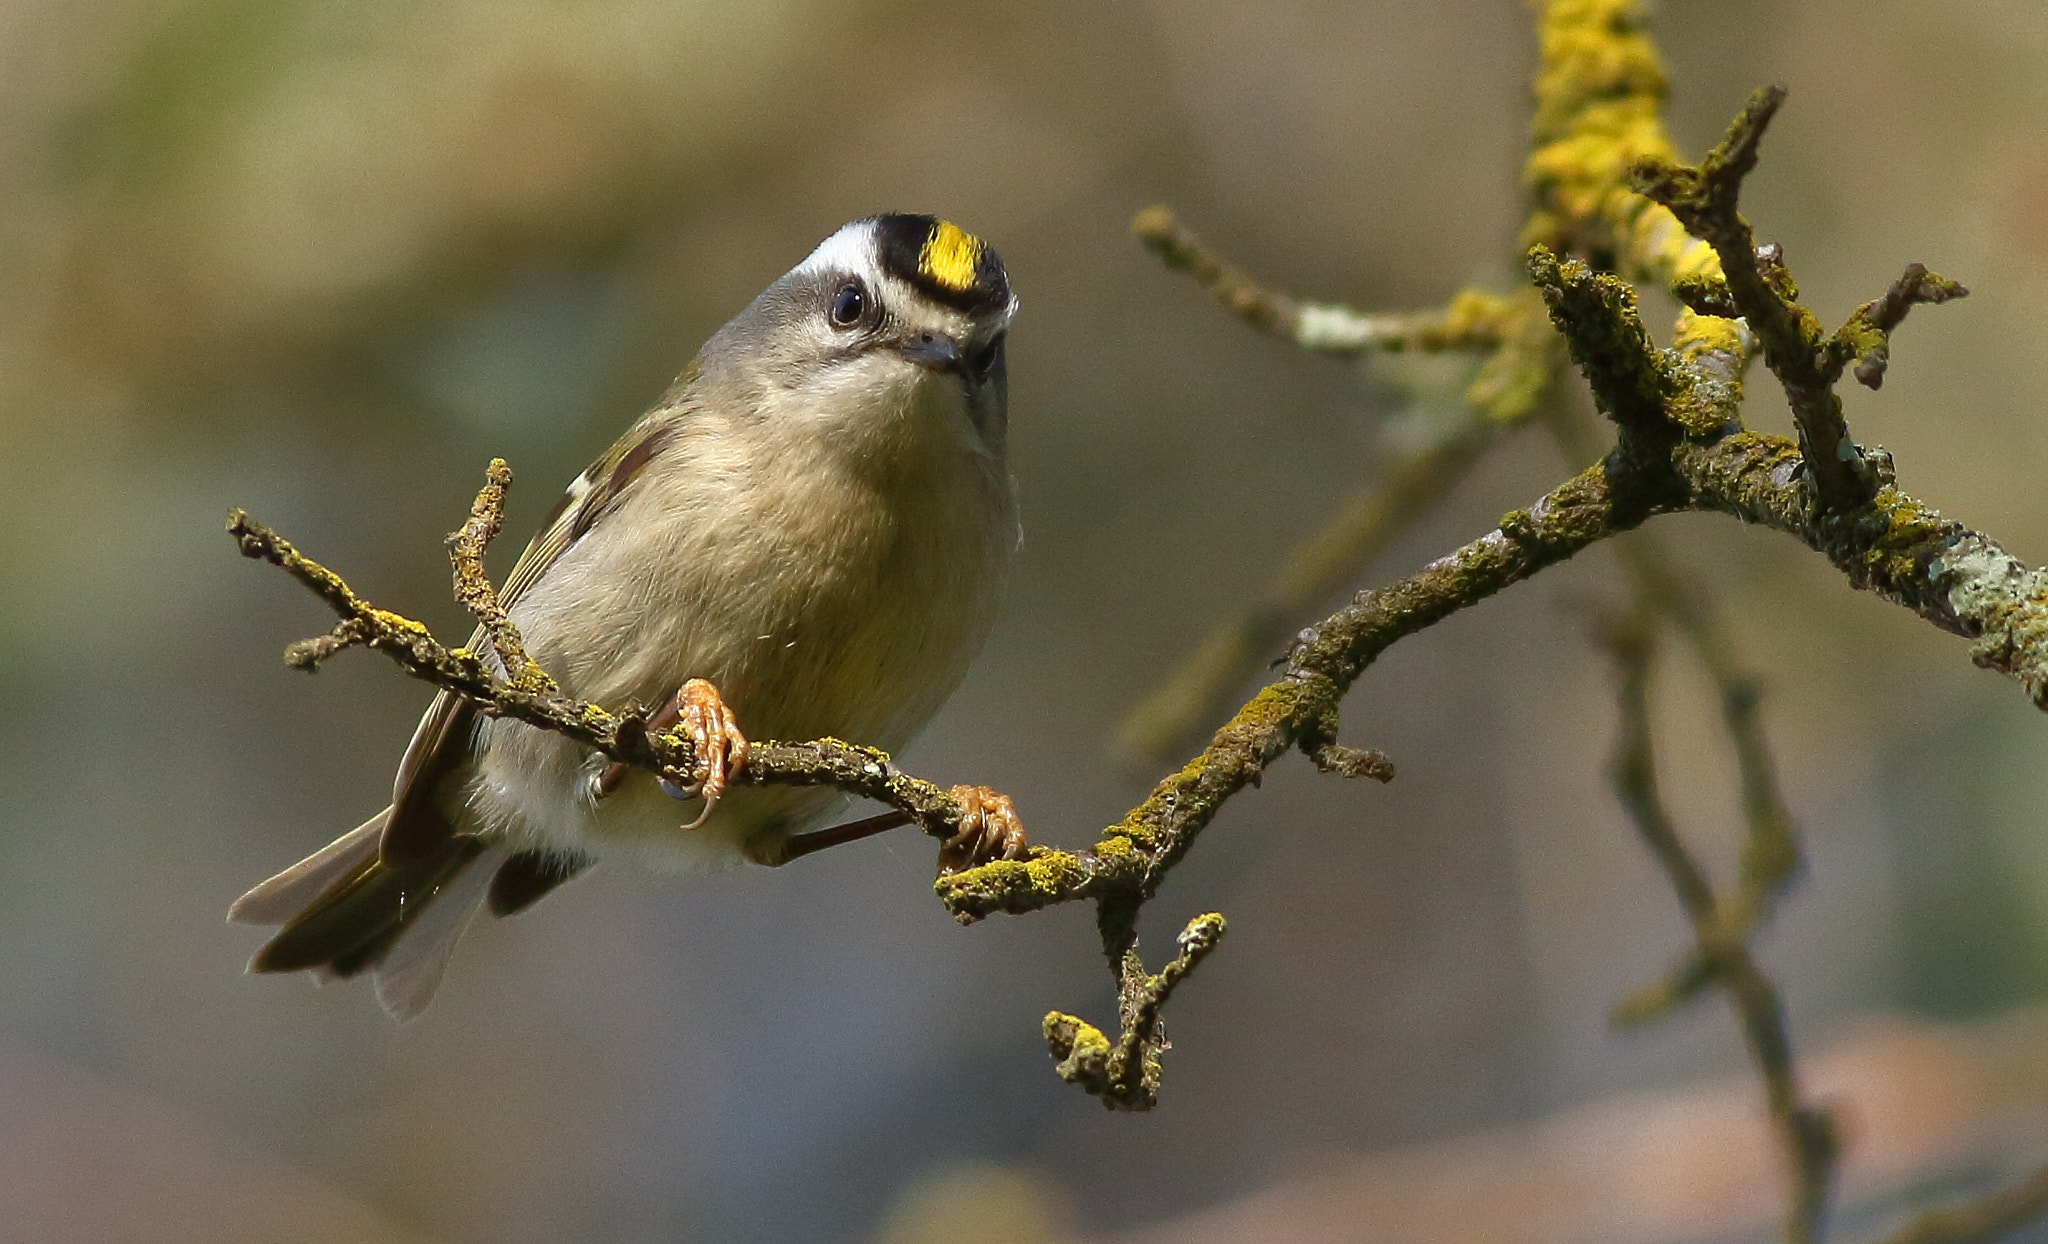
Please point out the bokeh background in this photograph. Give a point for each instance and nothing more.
(322, 260)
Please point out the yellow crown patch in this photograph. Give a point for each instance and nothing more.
(949, 256)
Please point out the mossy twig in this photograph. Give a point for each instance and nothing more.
(1125, 1074)
(1866, 337)
(466, 547)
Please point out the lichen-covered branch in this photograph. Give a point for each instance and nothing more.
(536, 700)
(1125, 1074)
(1599, 138)
(1867, 336)
(1133, 856)
(1806, 359)
(1903, 549)
(1682, 446)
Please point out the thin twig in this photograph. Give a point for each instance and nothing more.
(1125, 1074)
(466, 548)
(1474, 320)
(1771, 855)
(1867, 336)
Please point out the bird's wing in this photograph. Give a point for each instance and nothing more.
(419, 826)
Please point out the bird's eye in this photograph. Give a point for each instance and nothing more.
(847, 305)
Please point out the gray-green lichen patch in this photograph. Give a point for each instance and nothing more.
(2002, 603)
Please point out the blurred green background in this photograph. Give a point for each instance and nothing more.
(322, 260)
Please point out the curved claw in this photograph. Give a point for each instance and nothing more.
(720, 748)
(715, 736)
(989, 830)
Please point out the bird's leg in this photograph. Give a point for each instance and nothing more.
(715, 739)
(796, 846)
(989, 830)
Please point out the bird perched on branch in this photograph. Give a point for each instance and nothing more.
(812, 526)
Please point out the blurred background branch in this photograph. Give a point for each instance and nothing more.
(1722, 956)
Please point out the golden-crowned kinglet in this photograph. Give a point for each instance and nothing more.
(813, 523)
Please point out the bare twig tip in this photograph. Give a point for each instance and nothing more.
(1354, 762)
(1155, 224)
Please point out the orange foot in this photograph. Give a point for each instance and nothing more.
(720, 749)
(989, 830)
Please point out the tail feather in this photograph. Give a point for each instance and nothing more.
(362, 910)
(347, 909)
(409, 972)
(292, 891)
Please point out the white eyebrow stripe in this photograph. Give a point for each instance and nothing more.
(849, 250)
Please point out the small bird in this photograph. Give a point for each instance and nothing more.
(811, 528)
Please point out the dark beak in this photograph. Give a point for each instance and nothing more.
(934, 350)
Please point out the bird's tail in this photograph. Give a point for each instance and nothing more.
(346, 911)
